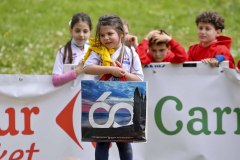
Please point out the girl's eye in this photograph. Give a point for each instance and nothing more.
(77, 31)
(85, 31)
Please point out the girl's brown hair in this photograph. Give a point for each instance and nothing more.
(113, 21)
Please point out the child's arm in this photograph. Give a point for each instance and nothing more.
(237, 69)
(99, 70)
(132, 77)
(61, 79)
(228, 56)
(238, 66)
(179, 52)
(129, 76)
(113, 70)
(214, 62)
(93, 66)
(225, 55)
(58, 76)
(142, 49)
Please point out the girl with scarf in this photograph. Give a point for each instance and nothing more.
(109, 58)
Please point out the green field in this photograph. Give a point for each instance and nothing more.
(32, 31)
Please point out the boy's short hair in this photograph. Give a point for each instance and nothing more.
(156, 39)
(211, 17)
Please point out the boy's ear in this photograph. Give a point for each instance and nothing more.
(219, 31)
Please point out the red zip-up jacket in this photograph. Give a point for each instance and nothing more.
(222, 47)
(176, 53)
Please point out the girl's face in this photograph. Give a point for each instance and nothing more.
(109, 37)
(207, 33)
(159, 51)
(80, 32)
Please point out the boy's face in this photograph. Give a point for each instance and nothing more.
(159, 51)
(207, 33)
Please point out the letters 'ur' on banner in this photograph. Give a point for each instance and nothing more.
(113, 111)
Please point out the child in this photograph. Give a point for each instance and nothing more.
(212, 48)
(130, 40)
(158, 46)
(110, 56)
(73, 52)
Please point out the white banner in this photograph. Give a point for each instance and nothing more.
(193, 114)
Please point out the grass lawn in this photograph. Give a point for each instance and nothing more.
(32, 31)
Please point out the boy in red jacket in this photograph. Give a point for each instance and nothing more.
(212, 48)
(158, 46)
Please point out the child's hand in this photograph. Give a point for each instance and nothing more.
(79, 68)
(212, 61)
(117, 63)
(152, 33)
(238, 69)
(165, 37)
(161, 38)
(117, 70)
(132, 40)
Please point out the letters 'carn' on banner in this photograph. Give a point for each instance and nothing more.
(113, 111)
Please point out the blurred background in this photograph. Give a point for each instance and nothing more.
(32, 31)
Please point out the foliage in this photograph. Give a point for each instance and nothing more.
(32, 31)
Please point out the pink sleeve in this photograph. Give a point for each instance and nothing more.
(59, 80)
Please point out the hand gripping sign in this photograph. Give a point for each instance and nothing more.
(113, 111)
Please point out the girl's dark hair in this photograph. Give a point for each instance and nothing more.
(211, 17)
(110, 20)
(78, 17)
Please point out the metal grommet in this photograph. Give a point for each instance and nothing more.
(20, 79)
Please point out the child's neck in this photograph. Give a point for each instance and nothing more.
(76, 43)
(117, 47)
(206, 44)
